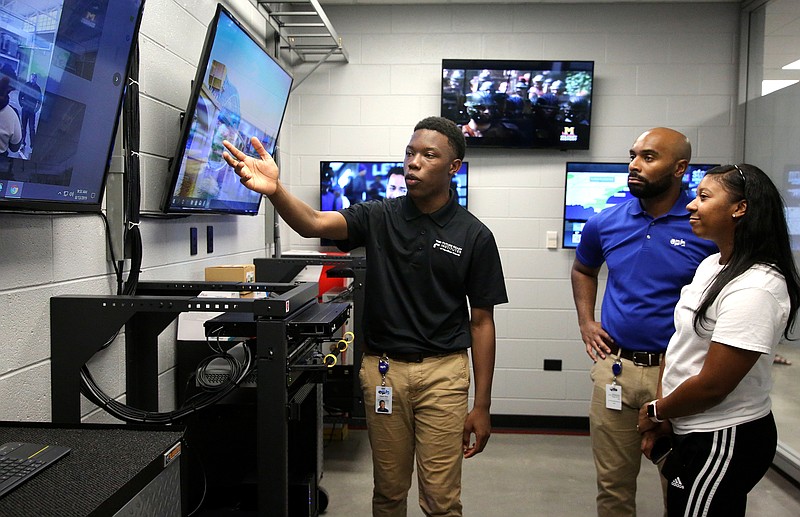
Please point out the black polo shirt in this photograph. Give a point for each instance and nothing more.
(421, 269)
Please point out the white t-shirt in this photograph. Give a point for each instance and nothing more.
(749, 313)
(10, 128)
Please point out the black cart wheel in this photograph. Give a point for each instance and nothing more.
(322, 499)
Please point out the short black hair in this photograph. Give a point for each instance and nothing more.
(449, 129)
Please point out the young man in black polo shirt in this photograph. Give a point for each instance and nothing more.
(427, 258)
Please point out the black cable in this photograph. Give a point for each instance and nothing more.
(196, 457)
(202, 370)
(133, 241)
(130, 137)
(91, 391)
(117, 271)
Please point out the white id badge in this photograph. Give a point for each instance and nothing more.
(383, 399)
(614, 396)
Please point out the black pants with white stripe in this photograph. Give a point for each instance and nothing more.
(710, 474)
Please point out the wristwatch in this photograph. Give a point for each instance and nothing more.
(651, 412)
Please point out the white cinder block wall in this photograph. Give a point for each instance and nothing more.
(673, 65)
(43, 256)
(656, 64)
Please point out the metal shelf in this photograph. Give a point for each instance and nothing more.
(304, 30)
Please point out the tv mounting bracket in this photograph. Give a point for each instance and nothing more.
(304, 29)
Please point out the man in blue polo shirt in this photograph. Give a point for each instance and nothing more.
(433, 279)
(650, 251)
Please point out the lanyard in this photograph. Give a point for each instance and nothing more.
(383, 367)
(616, 368)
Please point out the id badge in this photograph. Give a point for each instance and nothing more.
(614, 396)
(383, 399)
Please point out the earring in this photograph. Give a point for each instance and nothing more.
(733, 215)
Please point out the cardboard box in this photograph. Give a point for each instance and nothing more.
(231, 273)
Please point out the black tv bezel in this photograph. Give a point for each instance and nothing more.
(518, 64)
(20, 205)
(177, 158)
(690, 169)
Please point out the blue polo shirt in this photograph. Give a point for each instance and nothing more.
(421, 270)
(649, 261)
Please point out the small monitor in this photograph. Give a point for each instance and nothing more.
(344, 183)
(790, 190)
(63, 72)
(519, 104)
(240, 91)
(591, 187)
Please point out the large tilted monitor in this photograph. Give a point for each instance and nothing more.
(240, 91)
(63, 73)
(591, 187)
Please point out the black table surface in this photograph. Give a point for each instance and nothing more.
(103, 459)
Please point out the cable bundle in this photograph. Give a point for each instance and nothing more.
(239, 371)
(130, 137)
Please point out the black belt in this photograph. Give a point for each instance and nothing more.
(638, 358)
(408, 357)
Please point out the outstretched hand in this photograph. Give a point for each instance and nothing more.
(259, 175)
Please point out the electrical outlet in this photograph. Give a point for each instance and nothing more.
(552, 365)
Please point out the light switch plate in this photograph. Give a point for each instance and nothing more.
(552, 240)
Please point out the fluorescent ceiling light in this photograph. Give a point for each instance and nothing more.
(794, 65)
(773, 85)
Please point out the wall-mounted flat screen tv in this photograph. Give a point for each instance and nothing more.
(240, 91)
(591, 187)
(342, 184)
(519, 104)
(63, 72)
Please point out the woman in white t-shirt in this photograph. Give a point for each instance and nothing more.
(713, 400)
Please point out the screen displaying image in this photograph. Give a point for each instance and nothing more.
(791, 198)
(342, 184)
(524, 104)
(592, 187)
(240, 92)
(346, 183)
(63, 73)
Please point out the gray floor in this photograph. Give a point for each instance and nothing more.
(523, 474)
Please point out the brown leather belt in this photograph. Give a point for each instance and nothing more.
(638, 358)
(407, 357)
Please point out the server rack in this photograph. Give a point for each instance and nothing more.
(82, 324)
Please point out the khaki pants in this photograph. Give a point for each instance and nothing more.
(616, 443)
(429, 406)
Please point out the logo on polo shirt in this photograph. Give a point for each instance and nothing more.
(678, 242)
(447, 247)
